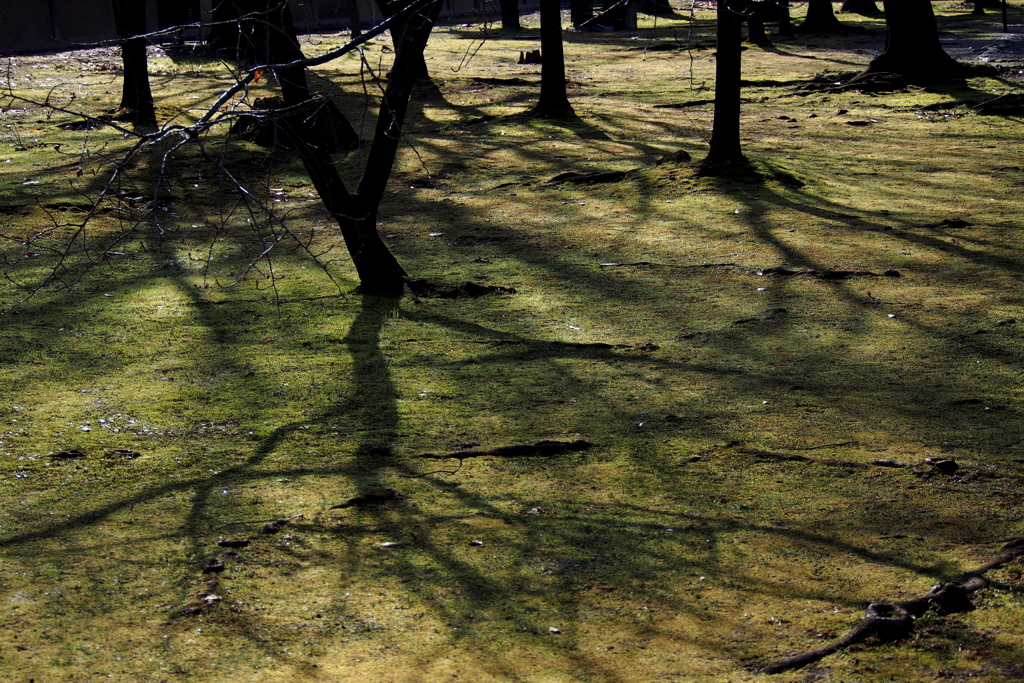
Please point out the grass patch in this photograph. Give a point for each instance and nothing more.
(173, 390)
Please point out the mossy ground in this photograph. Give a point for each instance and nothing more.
(209, 395)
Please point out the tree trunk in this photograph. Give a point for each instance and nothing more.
(580, 12)
(657, 8)
(553, 102)
(510, 15)
(136, 96)
(755, 21)
(356, 213)
(388, 8)
(820, 18)
(354, 20)
(725, 152)
(912, 47)
(785, 23)
(225, 36)
(865, 8)
(272, 40)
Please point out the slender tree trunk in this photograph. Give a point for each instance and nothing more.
(912, 47)
(821, 18)
(510, 15)
(553, 102)
(725, 152)
(136, 96)
(785, 22)
(354, 20)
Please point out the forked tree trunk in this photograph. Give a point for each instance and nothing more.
(821, 18)
(356, 212)
(136, 96)
(553, 102)
(912, 47)
(725, 152)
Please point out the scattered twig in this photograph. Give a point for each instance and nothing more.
(824, 445)
(889, 621)
(649, 264)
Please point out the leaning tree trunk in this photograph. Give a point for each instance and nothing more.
(136, 96)
(912, 47)
(820, 18)
(725, 152)
(553, 102)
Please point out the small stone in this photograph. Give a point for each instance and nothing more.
(214, 565)
(554, 631)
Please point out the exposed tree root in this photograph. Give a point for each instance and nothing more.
(589, 178)
(541, 448)
(826, 274)
(888, 621)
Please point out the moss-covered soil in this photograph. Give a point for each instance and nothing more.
(204, 376)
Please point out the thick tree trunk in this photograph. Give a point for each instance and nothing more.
(821, 18)
(553, 102)
(136, 96)
(510, 15)
(866, 8)
(725, 152)
(912, 47)
(755, 21)
(389, 8)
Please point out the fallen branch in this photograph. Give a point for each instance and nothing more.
(888, 621)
